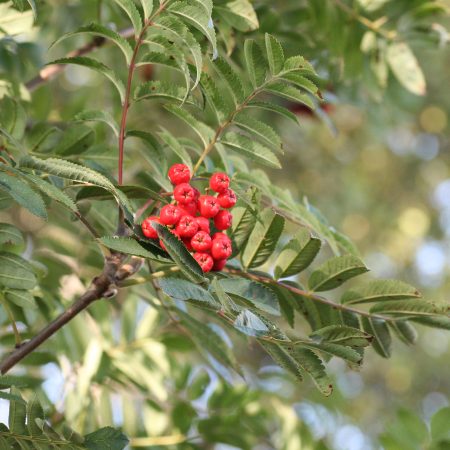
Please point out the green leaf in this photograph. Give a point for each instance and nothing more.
(51, 191)
(34, 411)
(275, 54)
(255, 63)
(263, 239)
(204, 132)
(440, 425)
(147, 6)
(239, 14)
(23, 194)
(214, 97)
(75, 140)
(107, 438)
(16, 272)
(131, 11)
(382, 342)
(310, 363)
(10, 235)
(98, 67)
(76, 172)
(131, 191)
(303, 83)
(126, 245)
(434, 322)
(180, 289)
(12, 140)
(172, 142)
(409, 307)
(259, 129)
(273, 107)
(335, 272)
(282, 358)
(231, 78)
(341, 351)
(405, 67)
(342, 335)
(20, 5)
(250, 324)
(380, 291)
(13, 117)
(99, 30)
(17, 414)
(299, 64)
(99, 116)
(290, 93)
(404, 331)
(176, 29)
(260, 296)
(194, 14)
(21, 298)
(178, 252)
(244, 219)
(251, 149)
(297, 254)
(207, 340)
(161, 90)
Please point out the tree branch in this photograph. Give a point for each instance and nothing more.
(101, 286)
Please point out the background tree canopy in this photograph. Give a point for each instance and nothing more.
(331, 118)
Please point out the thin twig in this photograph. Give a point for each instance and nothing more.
(17, 338)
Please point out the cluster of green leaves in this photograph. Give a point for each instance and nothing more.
(28, 429)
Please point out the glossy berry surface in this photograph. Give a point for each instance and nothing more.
(147, 228)
(223, 220)
(219, 264)
(221, 249)
(169, 215)
(203, 224)
(221, 235)
(208, 206)
(201, 241)
(184, 193)
(219, 182)
(205, 261)
(227, 199)
(179, 173)
(187, 227)
(189, 208)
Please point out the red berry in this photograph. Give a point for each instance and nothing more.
(189, 209)
(187, 227)
(201, 241)
(221, 236)
(223, 220)
(203, 224)
(184, 193)
(179, 173)
(219, 264)
(227, 199)
(197, 193)
(147, 227)
(219, 182)
(169, 215)
(187, 244)
(221, 249)
(208, 206)
(204, 260)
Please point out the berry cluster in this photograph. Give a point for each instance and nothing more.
(189, 216)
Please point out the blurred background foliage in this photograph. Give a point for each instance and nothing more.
(376, 160)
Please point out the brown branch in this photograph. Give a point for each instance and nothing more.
(49, 72)
(102, 286)
(307, 294)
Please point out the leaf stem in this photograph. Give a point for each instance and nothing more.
(17, 338)
(307, 294)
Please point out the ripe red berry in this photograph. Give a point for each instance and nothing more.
(204, 260)
(169, 215)
(208, 206)
(227, 199)
(184, 193)
(189, 209)
(147, 228)
(219, 264)
(221, 236)
(223, 220)
(201, 241)
(179, 173)
(221, 249)
(203, 224)
(187, 227)
(219, 182)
